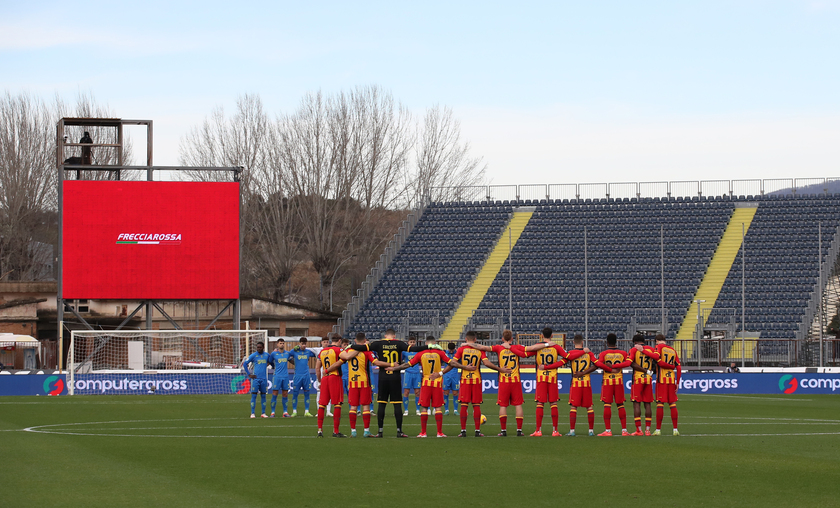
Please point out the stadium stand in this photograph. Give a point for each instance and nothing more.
(442, 256)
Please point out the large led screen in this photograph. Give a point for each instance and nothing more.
(150, 240)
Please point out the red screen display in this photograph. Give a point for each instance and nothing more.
(150, 240)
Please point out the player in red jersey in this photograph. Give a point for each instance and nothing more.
(547, 391)
(667, 381)
(510, 385)
(471, 385)
(642, 388)
(582, 364)
(358, 382)
(332, 390)
(431, 387)
(612, 360)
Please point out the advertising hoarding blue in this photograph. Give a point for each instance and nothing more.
(228, 383)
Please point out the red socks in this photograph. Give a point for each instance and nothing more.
(477, 417)
(519, 420)
(539, 416)
(366, 419)
(320, 417)
(622, 416)
(590, 413)
(424, 419)
(660, 414)
(439, 421)
(464, 411)
(674, 415)
(647, 423)
(607, 416)
(352, 417)
(336, 418)
(638, 422)
(555, 416)
(572, 418)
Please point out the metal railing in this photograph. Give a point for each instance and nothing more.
(754, 352)
(621, 190)
(718, 352)
(827, 265)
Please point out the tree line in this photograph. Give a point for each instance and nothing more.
(324, 187)
(29, 177)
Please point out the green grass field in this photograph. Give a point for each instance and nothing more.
(204, 451)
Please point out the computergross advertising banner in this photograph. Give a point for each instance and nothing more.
(207, 383)
(150, 240)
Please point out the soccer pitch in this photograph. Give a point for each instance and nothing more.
(204, 451)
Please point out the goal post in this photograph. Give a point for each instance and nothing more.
(160, 361)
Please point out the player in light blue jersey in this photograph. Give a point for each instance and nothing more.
(345, 368)
(279, 359)
(259, 379)
(302, 380)
(451, 382)
(411, 380)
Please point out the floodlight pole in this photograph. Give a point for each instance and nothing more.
(699, 328)
(820, 289)
(59, 160)
(510, 277)
(743, 293)
(60, 345)
(585, 287)
(662, 278)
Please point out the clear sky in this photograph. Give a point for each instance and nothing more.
(550, 92)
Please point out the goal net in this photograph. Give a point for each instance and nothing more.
(160, 361)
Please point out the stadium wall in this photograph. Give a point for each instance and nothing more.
(197, 383)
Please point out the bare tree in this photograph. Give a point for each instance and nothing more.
(241, 140)
(345, 156)
(317, 162)
(272, 213)
(444, 165)
(322, 184)
(383, 139)
(27, 184)
(248, 139)
(28, 179)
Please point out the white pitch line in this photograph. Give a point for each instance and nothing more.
(768, 422)
(758, 418)
(131, 421)
(57, 429)
(74, 401)
(249, 427)
(749, 397)
(310, 437)
(764, 435)
(157, 435)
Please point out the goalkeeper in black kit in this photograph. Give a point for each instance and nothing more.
(389, 350)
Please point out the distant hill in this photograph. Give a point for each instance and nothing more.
(833, 187)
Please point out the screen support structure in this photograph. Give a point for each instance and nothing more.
(72, 164)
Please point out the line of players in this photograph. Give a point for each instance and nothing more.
(301, 382)
(645, 361)
(280, 358)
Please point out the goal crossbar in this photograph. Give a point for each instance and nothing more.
(121, 358)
